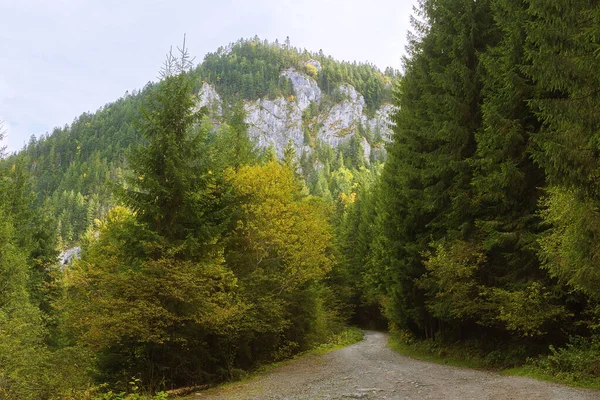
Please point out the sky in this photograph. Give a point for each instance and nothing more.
(61, 58)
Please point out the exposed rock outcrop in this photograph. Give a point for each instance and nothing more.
(315, 64)
(343, 118)
(338, 117)
(209, 98)
(305, 88)
(67, 256)
(274, 123)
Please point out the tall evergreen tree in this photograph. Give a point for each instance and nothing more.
(171, 187)
(426, 181)
(562, 49)
(152, 281)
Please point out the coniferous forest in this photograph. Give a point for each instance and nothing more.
(204, 256)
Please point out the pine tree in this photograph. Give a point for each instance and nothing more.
(152, 279)
(233, 146)
(172, 186)
(426, 180)
(562, 49)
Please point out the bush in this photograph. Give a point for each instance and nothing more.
(578, 361)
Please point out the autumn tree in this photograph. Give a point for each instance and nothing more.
(280, 250)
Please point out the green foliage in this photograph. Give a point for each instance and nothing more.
(88, 157)
(131, 294)
(233, 147)
(452, 278)
(214, 266)
(152, 286)
(29, 368)
(482, 223)
(577, 362)
(170, 178)
(454, 246)
(284, 237)
(569, 248)
(562, 43)
(311, 70)
(280, 251)
(483, 353)
(426, 179)
(21, 330)
(250, 69)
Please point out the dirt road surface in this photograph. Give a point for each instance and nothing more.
(370, 370)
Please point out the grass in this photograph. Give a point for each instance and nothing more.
(427, 351)
(468, 356)
(343, 339)
(530, 371)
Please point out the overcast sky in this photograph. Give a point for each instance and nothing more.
(60, 58)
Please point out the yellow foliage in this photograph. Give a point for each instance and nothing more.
(311, 70)
(348, 198)
(288, 237)
(116, 292)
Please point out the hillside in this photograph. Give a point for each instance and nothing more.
(242, 211)
(322, 107)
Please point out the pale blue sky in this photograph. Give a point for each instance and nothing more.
(60, 58)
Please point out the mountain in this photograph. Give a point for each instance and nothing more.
(309, 116)
(325, 109)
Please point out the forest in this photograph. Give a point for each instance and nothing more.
(205, 256)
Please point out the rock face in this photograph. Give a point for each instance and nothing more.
(209, 98)
(366, 149)
(343, 118)
(315, 64)
(381, 122)
(305, 88)
(334, 119)
(67, 256)
(275, 123)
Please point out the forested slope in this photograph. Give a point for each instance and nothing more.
(203, 254)
(72, 166)
(219, 238)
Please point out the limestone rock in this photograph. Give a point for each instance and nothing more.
(382, 122)
(343, 118)
(305, 88)
(67, 256)
(366, 149)
(209, 98)
(275, 123)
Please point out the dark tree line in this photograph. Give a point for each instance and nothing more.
(483, 219)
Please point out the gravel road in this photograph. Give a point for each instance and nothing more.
(370, 370)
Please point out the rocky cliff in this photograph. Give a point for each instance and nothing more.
(309, 116)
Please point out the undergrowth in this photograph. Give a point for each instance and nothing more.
(345, 338)
(576, 364)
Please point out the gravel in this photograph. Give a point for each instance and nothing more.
(370, 370)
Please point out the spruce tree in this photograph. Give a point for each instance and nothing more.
(562, 50)
(171, 188)
(426, 180)
(479, 279)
